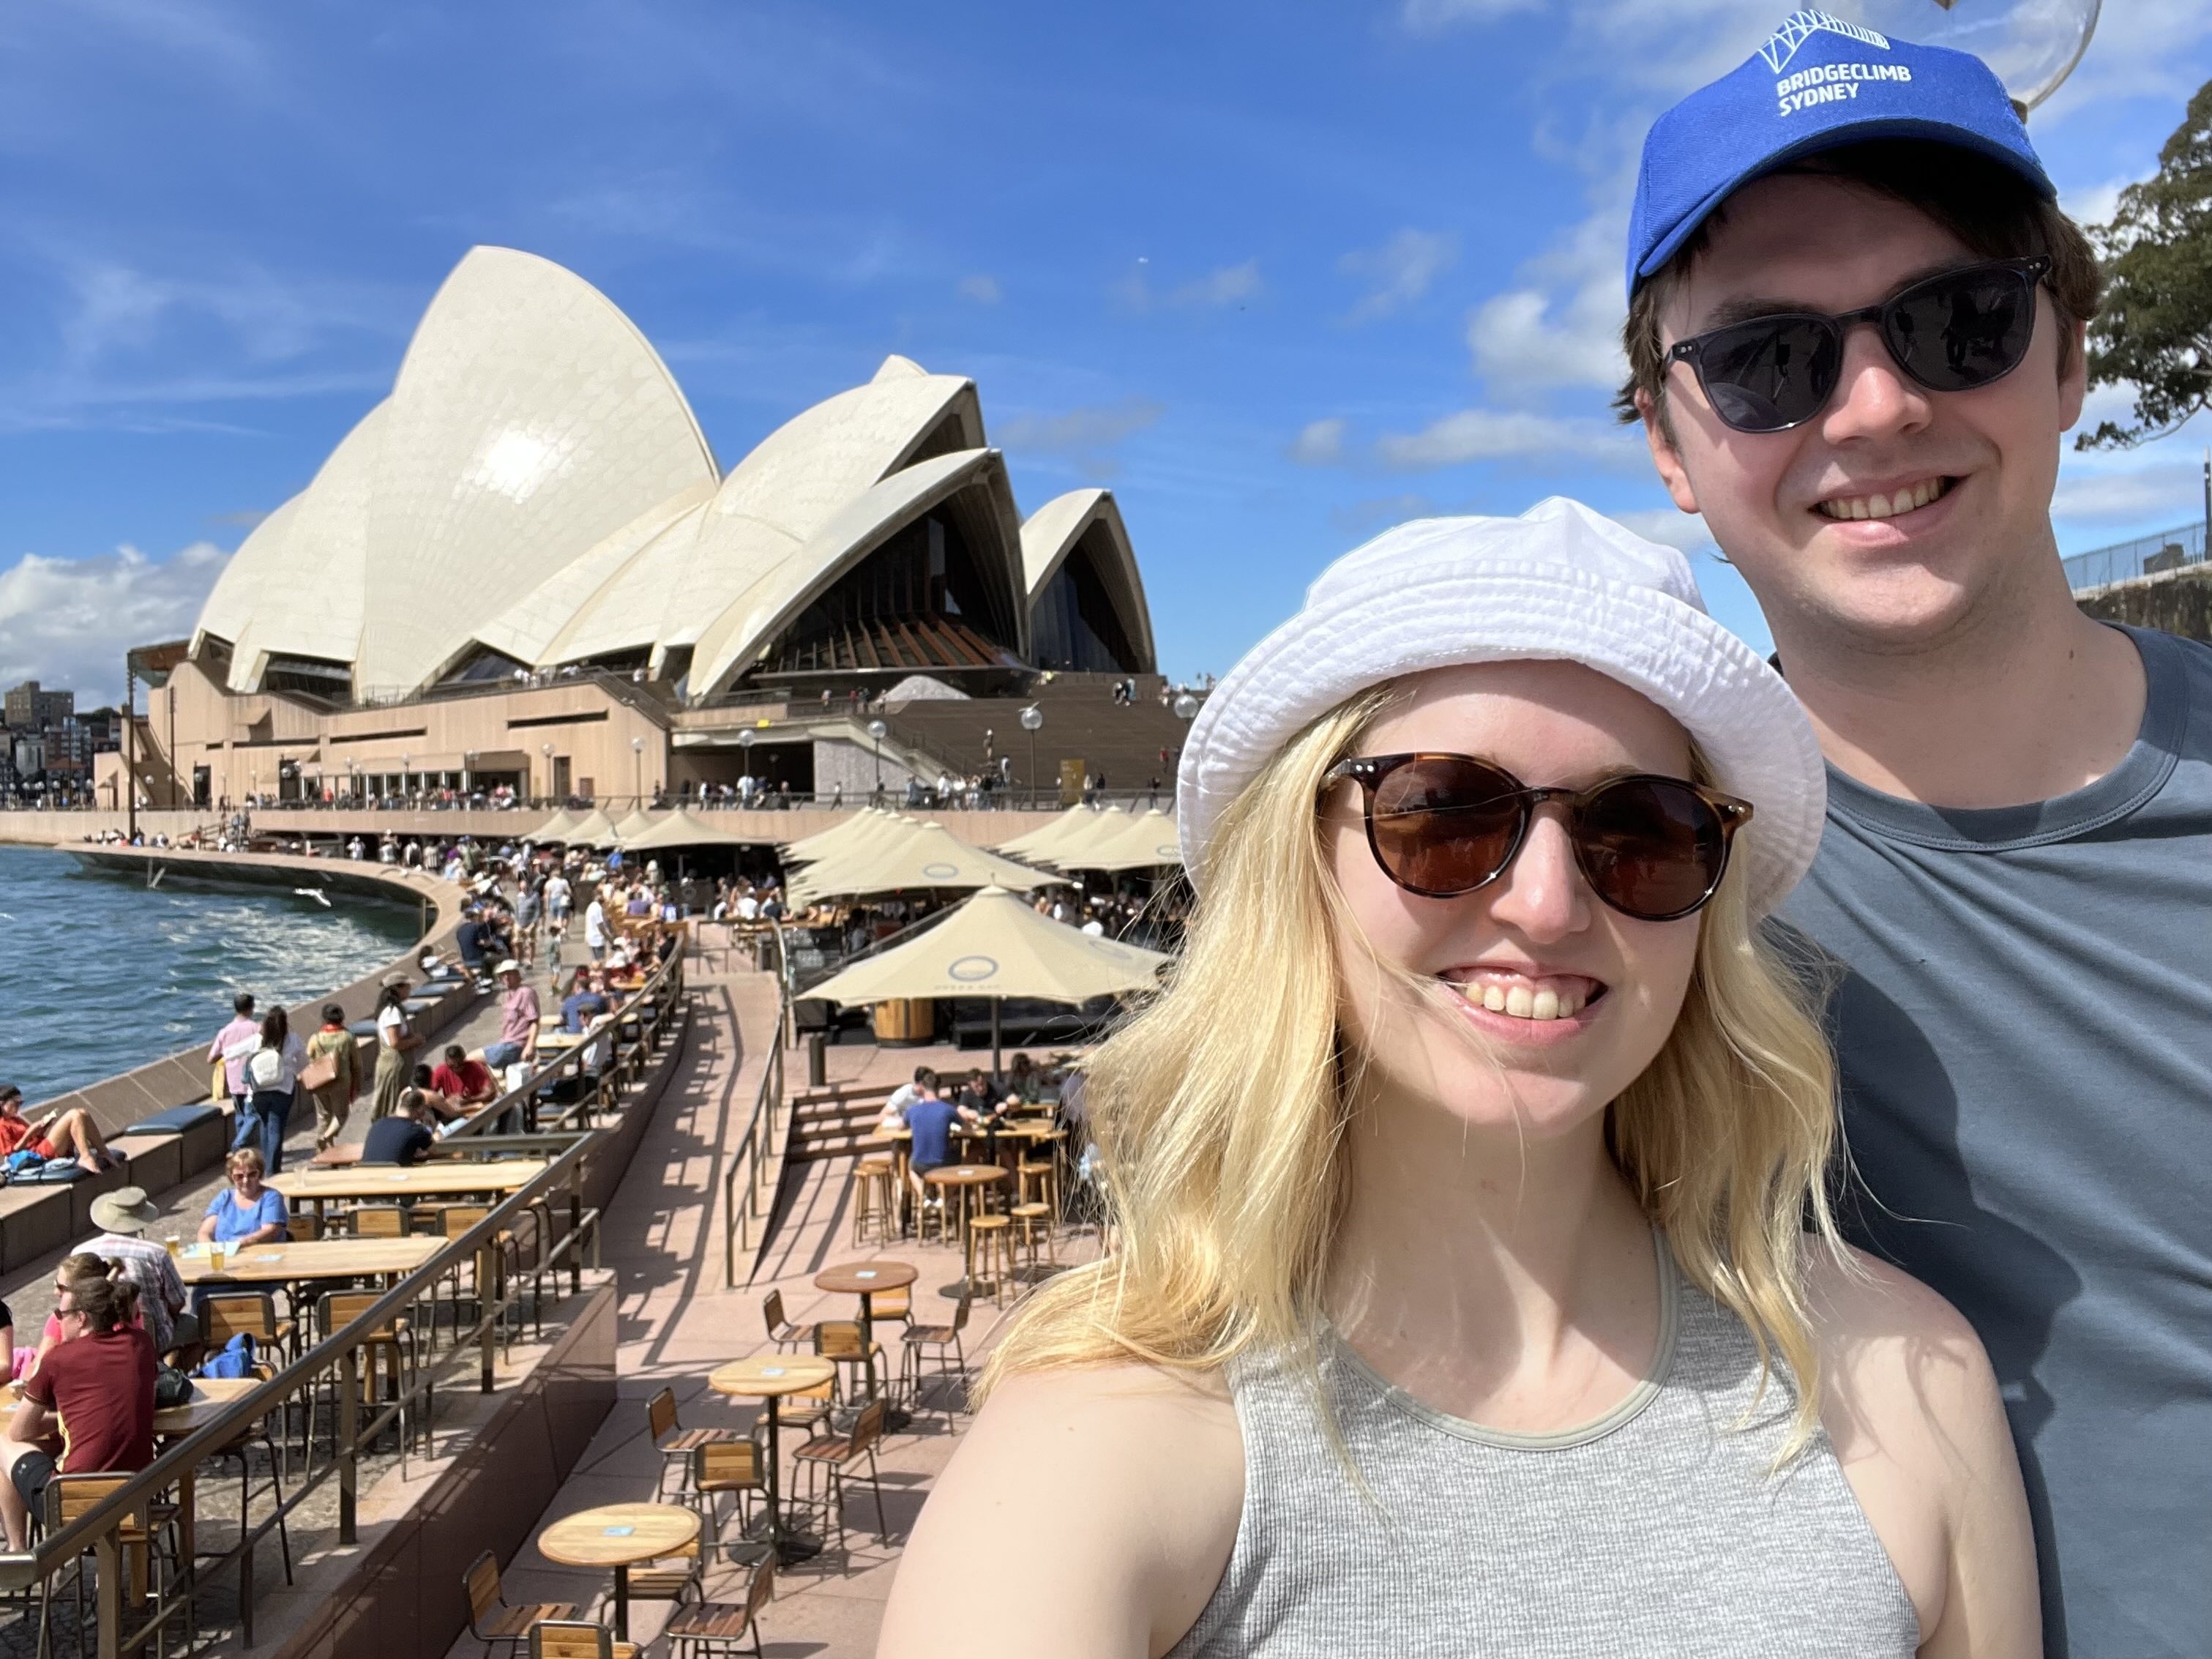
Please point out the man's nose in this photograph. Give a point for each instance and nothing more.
(1874, 398)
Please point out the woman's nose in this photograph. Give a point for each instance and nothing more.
(1542, 895)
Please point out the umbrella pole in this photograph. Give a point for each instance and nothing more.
(994, 1039)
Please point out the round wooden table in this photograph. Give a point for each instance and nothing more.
(619, 1535)
(769, 1376)
(967, 1179)
(864, 1280)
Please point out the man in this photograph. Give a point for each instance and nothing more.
(123, 1216)
(595, 928)
(58, 1135)
(88, 1409)
(467, 1084)
(234, 1045)
(929, 1119)
(584, 1003)
(469, 941)
(2017, 860)
(557, 893)
(402, 1137)
(519, 1014)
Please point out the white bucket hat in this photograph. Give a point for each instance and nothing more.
(1561, 582)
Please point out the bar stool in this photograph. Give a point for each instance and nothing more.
(994, 1252)
(874, 1201)
(1036, 1223)
(1045, 1172)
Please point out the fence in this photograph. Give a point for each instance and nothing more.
(753, 1163)
(2146, 555)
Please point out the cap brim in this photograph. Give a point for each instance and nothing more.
(1835, 137)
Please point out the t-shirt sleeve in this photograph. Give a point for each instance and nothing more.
(216, 1203)
(39, 1384)
(272, 1212)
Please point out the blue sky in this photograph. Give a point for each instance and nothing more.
(1279, 274)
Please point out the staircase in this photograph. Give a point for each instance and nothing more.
(838, 1121)
(1082, 721)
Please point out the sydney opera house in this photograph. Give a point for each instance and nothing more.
(525, 568)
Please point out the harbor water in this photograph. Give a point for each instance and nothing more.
(103, 973)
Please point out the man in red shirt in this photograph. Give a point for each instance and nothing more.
(88, 1409)
(467, 1083)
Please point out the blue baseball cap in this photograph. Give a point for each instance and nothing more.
(1816, 83)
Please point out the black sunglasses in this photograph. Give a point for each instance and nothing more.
(1442, 825)
(1955, 331)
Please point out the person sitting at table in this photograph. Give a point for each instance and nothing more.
(404, 1137)
(904, 1096)
(983, 1099)
(464, 1083)
(81, 1264)
(929, 1119)
(248, 1212)
(584, 1003)
(1025, 1082)
(89, 1407)
(442, 1107)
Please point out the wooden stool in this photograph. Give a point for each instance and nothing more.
(875, 1204)
(1037, 1222)
(1046, 1173)
(994, 1252)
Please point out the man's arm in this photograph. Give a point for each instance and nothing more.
(33, 1423)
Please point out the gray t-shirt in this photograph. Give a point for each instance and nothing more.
(2026, 1035)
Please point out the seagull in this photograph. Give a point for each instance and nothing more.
(314, 893)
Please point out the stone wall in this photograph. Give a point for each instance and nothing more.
(2172, 601)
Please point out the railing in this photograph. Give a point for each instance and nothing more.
(752, 1158)
(2146, 555)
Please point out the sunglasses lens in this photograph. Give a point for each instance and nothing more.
(1651, 849)
(1769, 374)
(1443, 825)
(1954, 333)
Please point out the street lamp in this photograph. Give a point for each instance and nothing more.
(746, 739)
(546, 749)
(1032, 719)
(1186, 710)
(637, 768)
(876, 729)
(404, 760)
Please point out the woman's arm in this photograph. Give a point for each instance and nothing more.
(1115, 1555)
(1911, 1405)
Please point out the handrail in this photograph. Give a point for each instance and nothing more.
(750, 1155)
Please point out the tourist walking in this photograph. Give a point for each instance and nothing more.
(273, 1073)
(595, 928)
(396, 1043)
(331, 1049)
(234, 1045)
(2019, 797)
(1476, 1289)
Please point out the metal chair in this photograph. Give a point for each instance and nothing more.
(738, 1468)
(781, 1331)
(576, 1638)
(675, 1443)
(834, 1454)
(491, 1620)
(715, 1630)
(936, 1341)
(839, 1341)
(68, 1497)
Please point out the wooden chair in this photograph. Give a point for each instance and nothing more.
(379, 1221)
(832, 1456)
(1035, 1223)
(305, 1226)
(390, 1351)
(70, 1497)
(241, 1446)
(491, 1620)
(227, 1314)
(874, 1202)
(669, 1578)
(839, 1341)
(936, 1342)
(891, 1304)
(994, 1252)
(738, 1468)
(715, 1630)
(675, 1443)
(786, 1335)
(576, 1638)
(1045, 1174)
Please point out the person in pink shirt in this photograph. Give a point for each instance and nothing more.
(234, 1045)
(517, 1020)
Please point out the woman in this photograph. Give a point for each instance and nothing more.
(246, 1212)
(333, 1100)
(396, 1040)
(82, 1266)
(273, 1075)
(1466, 1301)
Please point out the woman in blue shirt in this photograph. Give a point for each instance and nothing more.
(246, 1212)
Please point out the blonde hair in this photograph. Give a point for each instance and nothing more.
(243, 1159)
(1221, 1138)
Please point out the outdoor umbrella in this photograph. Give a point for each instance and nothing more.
(594, 829)
(1028, 844)
(995, 945)
(559, 827)
(825, 842)
(926, 856)
(632, 827)
(1146, 842)
(1067, 850)
(679, 829)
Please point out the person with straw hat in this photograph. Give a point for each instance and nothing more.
(1477, 1291)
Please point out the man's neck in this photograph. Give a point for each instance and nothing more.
(2013, 708)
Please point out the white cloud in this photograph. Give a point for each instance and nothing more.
(1086, 431)
(65, 621)
(1220, 287)
(1490, 435)
(2161, 493)
(1434, 16)
(1363, 518)
(1319, 443)
(1668, 525)
(1400, 271)
(983, 290)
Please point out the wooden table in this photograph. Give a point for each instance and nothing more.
(440, 1178)
(769, 1376)
(864, 1280)
(966, 1179)
(621, 1536)
(319, 1258)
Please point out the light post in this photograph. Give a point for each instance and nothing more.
(637, 769)
(876, 729)
(1032, 719)
(404, 761)
(746, 739)
(1186, 710)
(546, 749)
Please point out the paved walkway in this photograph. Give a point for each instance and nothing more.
(662, 1236)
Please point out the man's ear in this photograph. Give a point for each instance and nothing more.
(1664, 455)
(2074, 384)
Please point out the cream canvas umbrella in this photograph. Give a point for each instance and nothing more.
(927, 857)
(635, 825)
(594, 829)
(679, 829)
(1068, 849)
(1029, 844)
(556, 828)
(825, 843)
(1148, 841)
(995, 945)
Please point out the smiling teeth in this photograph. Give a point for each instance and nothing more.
(1879, 506)
(1520, 1003)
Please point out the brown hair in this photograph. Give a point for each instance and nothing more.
(104, 1303)
(1985, 204)
(83, 1265)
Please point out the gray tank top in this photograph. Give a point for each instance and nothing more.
(1656, 1530)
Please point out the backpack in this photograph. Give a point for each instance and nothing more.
(266, 1068)
(233, 1359)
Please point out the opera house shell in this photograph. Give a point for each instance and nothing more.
(536, 496)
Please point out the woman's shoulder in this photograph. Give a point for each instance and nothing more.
(1887, 1337)
(1122, 1547)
